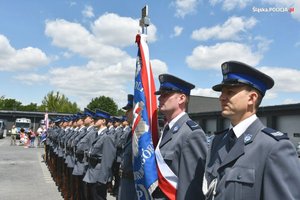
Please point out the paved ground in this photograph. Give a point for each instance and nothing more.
(24, 175)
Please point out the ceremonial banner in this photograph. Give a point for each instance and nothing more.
(44, 133)
(145, 126)
(46, 121)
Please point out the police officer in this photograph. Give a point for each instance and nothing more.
(53, 145)
(248, 160)
(60, 154)
(80, 161)
(70, 157)
(99, 165)
(72, 143)
(111, 132)
(116, 166)
(127, 188)
(65, 173)
(182, 148)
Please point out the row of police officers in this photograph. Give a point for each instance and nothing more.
(90, 153)
(83, 152)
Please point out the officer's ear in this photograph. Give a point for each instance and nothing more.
(182, 98)
(253, 98)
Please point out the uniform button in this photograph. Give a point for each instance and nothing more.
(239, 177)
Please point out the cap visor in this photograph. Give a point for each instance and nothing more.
(157, 92)
(218, 87)
(127, 107)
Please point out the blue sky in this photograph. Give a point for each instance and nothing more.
(86, 49)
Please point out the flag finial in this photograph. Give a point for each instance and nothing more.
(145, 20)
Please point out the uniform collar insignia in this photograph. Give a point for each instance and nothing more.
(176, 128)
(247, 138)
(277, 133)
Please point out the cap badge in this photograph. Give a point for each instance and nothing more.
(225, 68)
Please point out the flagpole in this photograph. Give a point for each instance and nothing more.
(145, 112)
(145, 20)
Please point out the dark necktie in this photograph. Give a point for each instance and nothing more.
(166, 129)
(231, 139)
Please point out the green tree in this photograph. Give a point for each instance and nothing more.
(57, 102)
(104, 103)
(9, 104)
(121, 112)
(2, 102)
(29, 107)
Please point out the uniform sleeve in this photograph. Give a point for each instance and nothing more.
(84, 144)
(282, 173)
(191, 169)
(108, 157)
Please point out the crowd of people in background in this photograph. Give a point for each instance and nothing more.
(27, 138)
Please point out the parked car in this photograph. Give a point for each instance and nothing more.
(2, 129)
(298, 149)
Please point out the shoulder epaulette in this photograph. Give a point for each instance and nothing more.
(275, 134)
(193, 125)
(221, 132)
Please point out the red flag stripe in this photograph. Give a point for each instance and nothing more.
(149, 89)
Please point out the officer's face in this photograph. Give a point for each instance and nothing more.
(79, 122)
(99, 122)
(88, 120)
(116, 124)
(129, 115)
(237, 103)
(65, 124)
(169, 102)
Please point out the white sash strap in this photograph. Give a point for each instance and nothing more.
(165, 170)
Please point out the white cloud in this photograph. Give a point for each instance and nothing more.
(158, 67)
(290, 101)
(112, 29)
(271, 94)
(177, 31)
(184, 7)
(94, 80)
(67, 54)
(207, 92)
(286, 83)
(231, 29)
(88, 12)
(12, 59)
(286, 79)
(77, 39)
(31, 79)
(286, 4)
(263, 44)
(72, 3)
(231, 4)
(109, 70)
(211, 57)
